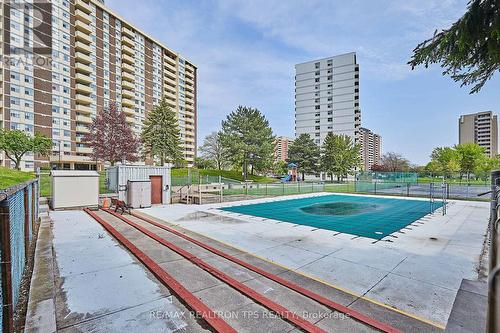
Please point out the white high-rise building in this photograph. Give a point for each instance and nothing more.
(327, 97)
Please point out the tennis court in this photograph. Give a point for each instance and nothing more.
(357, 215)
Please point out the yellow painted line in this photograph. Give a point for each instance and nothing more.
(424, 320)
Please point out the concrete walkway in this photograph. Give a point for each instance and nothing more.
(417, 271)
(84, 281)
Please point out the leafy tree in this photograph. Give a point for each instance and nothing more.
(469, 50)
(446, 160)
(203, 163)
(111, 137)
(280, 168)
(485, 166)
(305, 153)
(248, 139)
(213, 150)
(160, 134)
(17, 143)
(393, 162)
(470, 156)
(340, 155)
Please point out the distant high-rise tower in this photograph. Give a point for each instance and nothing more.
(282, 144)
(327, 97)
(480, 128)
(371, 145)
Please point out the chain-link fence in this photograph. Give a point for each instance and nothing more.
(448, 190)
(211, 189)
(18, 216)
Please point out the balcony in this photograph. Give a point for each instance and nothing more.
(84, 150)
(82, 16)
(83, 37)
(127, 41)
(79, 46)
(168, 60)
(128, 32)
(128, 85)
(82, 78)
(128, 50)
(81, 88)
(84, 6)
(128, 77)
(128, 68)
(128, 94)
(170, 95)
(169, 66)
(83, 119)
(82, 129)
(83, 58)
(128, 111)
(83, 109)
(82, 68)
(127, 102)
(127, 59)
(82, 99)
(130, 120)
(82, 26)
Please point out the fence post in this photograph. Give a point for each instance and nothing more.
(407, 189)
(492, 310)
(298, 186)
(26, 224)
(199, 189)
(283, 184)
(266, 189)
(375, 187)
(6, 262)
(221, 186)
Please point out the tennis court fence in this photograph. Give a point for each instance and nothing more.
(18, 221)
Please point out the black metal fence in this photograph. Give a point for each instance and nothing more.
(18, 220)
(493, 315)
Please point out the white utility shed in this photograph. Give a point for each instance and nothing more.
(159, 176)
(74, 188)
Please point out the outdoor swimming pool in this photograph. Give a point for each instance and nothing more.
(357, 215)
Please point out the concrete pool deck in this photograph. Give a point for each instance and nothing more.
(417, 271)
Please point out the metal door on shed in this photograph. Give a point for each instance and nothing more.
(156, 189)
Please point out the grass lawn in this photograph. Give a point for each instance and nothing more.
(452, 181)
(10, 177)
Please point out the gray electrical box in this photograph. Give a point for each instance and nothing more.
(139, 193)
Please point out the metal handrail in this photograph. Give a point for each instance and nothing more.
(493, 308)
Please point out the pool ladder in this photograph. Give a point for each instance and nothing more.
(433, 195)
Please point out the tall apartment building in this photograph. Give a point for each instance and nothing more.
(327, 97)
(282, 144)
(480, 128)
(371, 146)
(68, 59)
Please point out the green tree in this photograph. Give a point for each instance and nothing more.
(203, 163)
(213, 150)
(17, 143)
(485, 166)
(305, 153)
(340, 156)
(470, 156)
(160, 134)
(248, 139)
(280, 168)
(469, 51)
(447, 159)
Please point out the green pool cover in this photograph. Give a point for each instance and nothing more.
(357, 215)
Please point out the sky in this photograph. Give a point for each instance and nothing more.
(245, 52)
